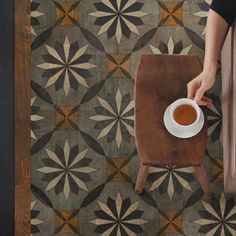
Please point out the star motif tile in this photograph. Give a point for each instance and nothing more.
(66, 170)
(218, 217)
(170, 179)
(115, 117)
(35, 220)
(35, 14)
(118, 217)
(118, 18)
(66, 65)
(170, 47)
(34, 117)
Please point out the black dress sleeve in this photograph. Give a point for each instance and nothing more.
(225, 8)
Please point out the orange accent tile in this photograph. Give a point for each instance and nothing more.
(67, 118)
(118, 176)
(74, 13)
(216, 170)
(177, 221)
(125, 66)
(178, 14)
(66, 229)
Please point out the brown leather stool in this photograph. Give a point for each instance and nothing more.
(160, 80)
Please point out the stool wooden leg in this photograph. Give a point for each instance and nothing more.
(141, 179)
(202, 178)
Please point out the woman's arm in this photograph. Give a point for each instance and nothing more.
(216, 30)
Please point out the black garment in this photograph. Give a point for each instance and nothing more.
(225, 8)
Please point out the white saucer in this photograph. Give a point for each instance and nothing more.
(180, 133)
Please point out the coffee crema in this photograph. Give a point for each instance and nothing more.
(185, 114)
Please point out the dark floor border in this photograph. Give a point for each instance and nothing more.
(22, 117)
(7, 117)
(15, 118)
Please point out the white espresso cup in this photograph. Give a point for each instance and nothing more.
(184, 101)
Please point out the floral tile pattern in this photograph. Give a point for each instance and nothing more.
(119, 217)
(66, 65)
(35, 118)
(66, 170)
(218, 217)
(35, 14)
(215, 118)
(34, 219)
(115, 117)
(170, 48)
(170, 179)
(84, 157)
(118, 18)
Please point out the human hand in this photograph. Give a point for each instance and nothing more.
(198, 86)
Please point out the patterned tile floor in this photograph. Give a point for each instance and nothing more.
(84, 159)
